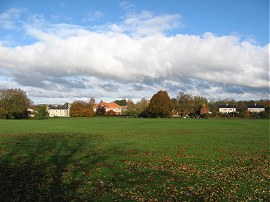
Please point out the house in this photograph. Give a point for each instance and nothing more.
(175, 114)
(31, 112)
(204, 110)
(110, 108)
(226, 108)
(255, 108)
(58, 110)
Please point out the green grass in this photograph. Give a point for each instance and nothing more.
(105, 159)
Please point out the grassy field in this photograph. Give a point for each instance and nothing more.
(118, 159)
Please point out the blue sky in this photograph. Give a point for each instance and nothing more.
(247, 18)
(61, 51)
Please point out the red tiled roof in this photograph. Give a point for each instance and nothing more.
(107, 105)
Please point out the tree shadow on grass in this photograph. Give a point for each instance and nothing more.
(78, 167)
(42, 167)
(68, 167)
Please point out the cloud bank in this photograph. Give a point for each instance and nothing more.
(132, 58)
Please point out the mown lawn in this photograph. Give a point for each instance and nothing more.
(118, 159)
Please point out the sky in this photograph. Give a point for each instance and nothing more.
(62, 51)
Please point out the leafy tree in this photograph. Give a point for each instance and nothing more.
(14, 104)
(92, 101)
(142, 105)
(42, 112)
(81, 109)
(185, 104)
(247, 114)
(265, 115)
(87, 111)
(159, 106)
(132, 112)
(122, 102)
(3, 113)
(174, 104)
(213, 107)
(136, 109)
(76, 109)
(241, 106)
(66, 105)
(101, 110)
(198, 103)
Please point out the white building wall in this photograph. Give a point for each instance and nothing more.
(116, 110)
(257, 110)
(58, 112)
(227, 110)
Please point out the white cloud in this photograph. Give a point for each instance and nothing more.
(134, 59)
(146, 23)
(9, 18)
(92, 16)
(126, 5)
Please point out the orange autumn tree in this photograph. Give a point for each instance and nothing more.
(80, 108)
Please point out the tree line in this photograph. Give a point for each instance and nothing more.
(184, 105)
(14, 104)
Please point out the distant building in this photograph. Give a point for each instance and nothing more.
(226, 108)
(109, 107)
(255, 108)
(58, 110)
(175, 114)
(31, 112)
(204, 110)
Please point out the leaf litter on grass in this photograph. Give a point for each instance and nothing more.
(100, 167)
